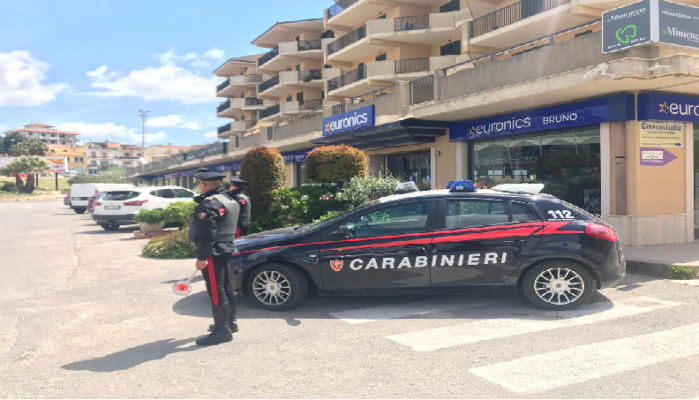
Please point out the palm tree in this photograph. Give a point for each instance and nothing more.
(30, 147)
(28, 165)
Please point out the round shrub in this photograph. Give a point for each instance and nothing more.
(364, 190)
(173, 246)
(10, 187)
(151, 217)
(336, 164)
(263, 169)
(180, 213)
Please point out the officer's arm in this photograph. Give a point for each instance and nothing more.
(206, 217)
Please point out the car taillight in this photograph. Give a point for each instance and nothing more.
(600, 231)
(136, 203)
(98, 204)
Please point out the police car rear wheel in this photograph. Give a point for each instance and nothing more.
(277, 287)
(558, 285)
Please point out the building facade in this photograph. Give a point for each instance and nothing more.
(498, 92)
(157, 152)
(106, 156)
(47, 134)
(77, 156)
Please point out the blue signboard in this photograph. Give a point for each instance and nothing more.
(231, 166)
(589, 112)
(296, 156)
(667, 107)
(349, 121)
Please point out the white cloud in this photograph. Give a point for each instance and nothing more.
(212, 134)
(110, 131)
(215, 53)
(192, 125)
(169, 121)
(20, 80)
(168, 82)
(200, 64)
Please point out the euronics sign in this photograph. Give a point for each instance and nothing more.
(650, 21)
(349, 121)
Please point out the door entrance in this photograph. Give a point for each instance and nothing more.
(412, 167)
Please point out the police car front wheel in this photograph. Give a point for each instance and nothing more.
(277, 287)
(558, 285)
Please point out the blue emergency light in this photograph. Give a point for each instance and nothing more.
(462, 186)
(450, 184)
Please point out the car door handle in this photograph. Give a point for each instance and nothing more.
(514, 241)
(416, 247)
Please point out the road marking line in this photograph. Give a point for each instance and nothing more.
(592, 361)
(474, 332)
(394, 311)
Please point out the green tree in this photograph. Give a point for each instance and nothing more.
(28, 165)
(336, 164)
(11, 140)
(30, 147)
(263, 169)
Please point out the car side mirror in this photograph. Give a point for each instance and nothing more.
(342, 232)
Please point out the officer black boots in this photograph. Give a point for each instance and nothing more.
(221, 332)
(232, 321)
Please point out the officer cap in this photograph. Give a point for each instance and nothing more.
(236, 180)
(205, 174)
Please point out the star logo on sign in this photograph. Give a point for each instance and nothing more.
(664, 108)
(472, 131)
(327, 127)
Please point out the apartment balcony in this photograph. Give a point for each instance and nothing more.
(297, 80)
(380, 74)
(376, 35)
(233, 107)
(234, 84)
(282, 111)
(288, 53)
(235, 127)
(346, 13)
(522, 21)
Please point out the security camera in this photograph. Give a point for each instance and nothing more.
(600, 69)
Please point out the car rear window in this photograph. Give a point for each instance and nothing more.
(556, 209)
(119, 196)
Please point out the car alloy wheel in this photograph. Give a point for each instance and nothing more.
(271, 288)
(559, 286)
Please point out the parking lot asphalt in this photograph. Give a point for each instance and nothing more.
(83, 315)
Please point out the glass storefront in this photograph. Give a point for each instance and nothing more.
(412, 167)
(301, 178)
(696, 181)
(568, 163)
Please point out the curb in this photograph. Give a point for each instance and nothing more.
(658, 269)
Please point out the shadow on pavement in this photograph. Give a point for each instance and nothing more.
(196, 279)
(101, 231)
(133, 357)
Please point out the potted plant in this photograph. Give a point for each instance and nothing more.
(150, 221)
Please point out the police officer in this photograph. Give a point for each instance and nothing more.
(237, 187)
(213, 230)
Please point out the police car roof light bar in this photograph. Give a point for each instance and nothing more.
(450, 184)
(463, 186)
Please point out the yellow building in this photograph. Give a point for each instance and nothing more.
(76, 156)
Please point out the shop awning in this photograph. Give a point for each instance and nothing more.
(406, 132)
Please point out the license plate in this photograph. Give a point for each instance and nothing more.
(112, 207)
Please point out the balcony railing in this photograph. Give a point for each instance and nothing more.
(268, 84)
(224, 128)
(310, 75)
(412, 23)
(305, 45)
(311, 105)
(223, 106)
(348, 78)
(422, 90)
(253, 78)
(223, 85)
(511, 14)
(352, 37)
(340, 6)
(253, 101)
(412, 65)
(268, 112)
(338, 108)
(270, 55)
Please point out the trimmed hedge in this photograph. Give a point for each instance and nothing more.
(151, 217)
(180, 213)
(336, 164)
(173, 246)
(263, 169)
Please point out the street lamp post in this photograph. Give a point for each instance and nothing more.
(144, 115)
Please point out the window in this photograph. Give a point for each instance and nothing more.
(472, 212)
(381, 57)
(93, 154)
(451, 49)
(453, 5)
(163, 193)
(93, 163)
(523, 213)
(120, 196)
(79, 160)
(237, 142)
(394, 220)
(300, 97)
(183, 194)
(289, 98)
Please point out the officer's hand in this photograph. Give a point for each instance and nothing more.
(201, 265)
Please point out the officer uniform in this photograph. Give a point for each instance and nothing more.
(213, 230)
(243, 201)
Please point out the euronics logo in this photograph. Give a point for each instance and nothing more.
(679, 109)
(347, 122)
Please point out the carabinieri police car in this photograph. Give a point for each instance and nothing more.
(454, 241)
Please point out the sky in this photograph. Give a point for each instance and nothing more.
(91, 65)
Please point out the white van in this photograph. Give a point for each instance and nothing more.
(80, 193)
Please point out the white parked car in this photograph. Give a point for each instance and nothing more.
(119, 207)
(80, 193)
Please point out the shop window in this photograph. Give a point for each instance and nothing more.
(412, 167)
(453, 5)
(696, 182)
(301, 178)
(451, 49)
(567, 163)
(381, 57)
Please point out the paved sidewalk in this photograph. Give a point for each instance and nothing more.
(676, 254)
